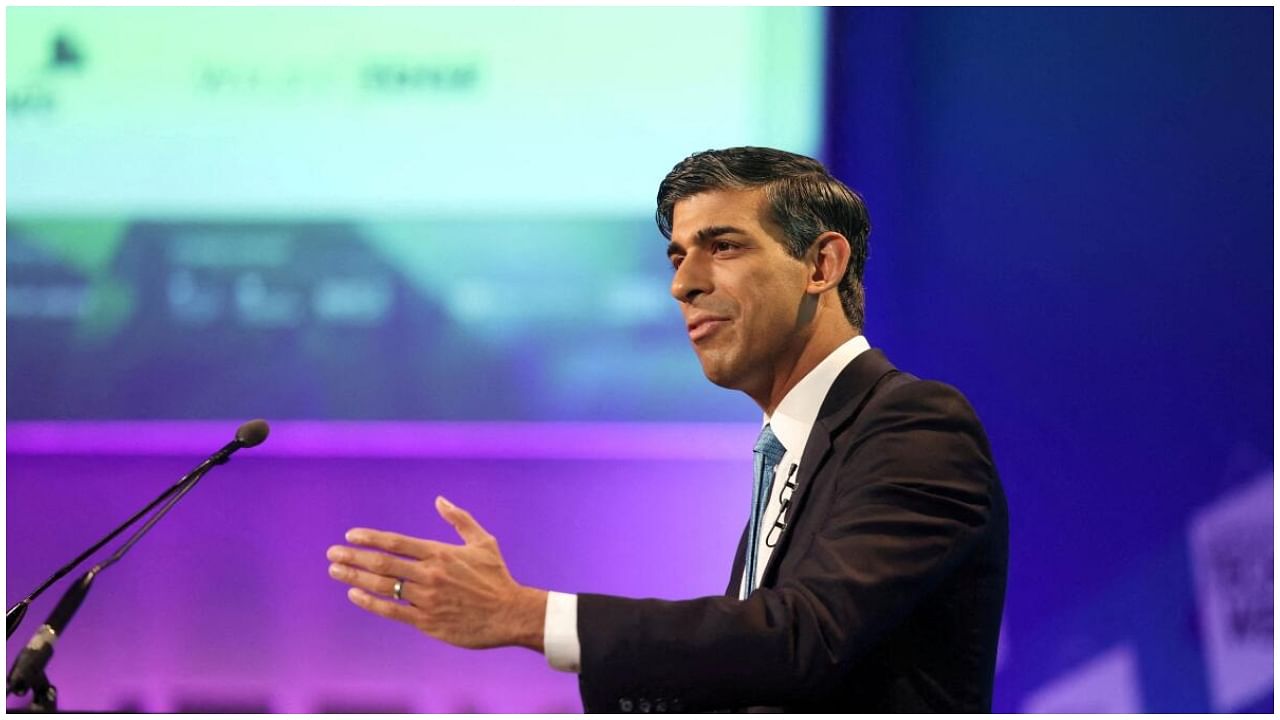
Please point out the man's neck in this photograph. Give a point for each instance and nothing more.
(822, 343)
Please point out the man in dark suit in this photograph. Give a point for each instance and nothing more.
(870, 576)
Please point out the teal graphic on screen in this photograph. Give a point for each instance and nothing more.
(372, 213)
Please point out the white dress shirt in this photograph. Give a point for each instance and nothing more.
(792, 422)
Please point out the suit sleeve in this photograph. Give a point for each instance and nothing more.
(913, 496)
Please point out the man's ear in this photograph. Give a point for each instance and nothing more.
(828, 261)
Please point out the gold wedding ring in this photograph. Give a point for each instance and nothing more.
(397, 590)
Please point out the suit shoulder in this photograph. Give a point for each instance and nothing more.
(938, 413)
(903, 392)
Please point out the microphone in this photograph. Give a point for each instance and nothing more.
(249, 434)
(252, 433)
(27, 671)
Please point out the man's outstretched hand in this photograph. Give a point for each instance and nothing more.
(461, 594)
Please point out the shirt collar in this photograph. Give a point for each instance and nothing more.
(794, 417)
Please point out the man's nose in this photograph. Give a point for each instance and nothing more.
(691, 278)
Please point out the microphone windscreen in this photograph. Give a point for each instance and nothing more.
(253, 433)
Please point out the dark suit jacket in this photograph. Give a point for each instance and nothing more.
(884, 593)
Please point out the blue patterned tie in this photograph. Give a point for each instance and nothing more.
(769, 453)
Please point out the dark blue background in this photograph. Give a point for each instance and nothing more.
(1072, 222)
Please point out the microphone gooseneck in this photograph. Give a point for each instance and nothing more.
(13, 617)
(27, 671)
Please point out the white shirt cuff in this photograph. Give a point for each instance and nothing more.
(560, 634)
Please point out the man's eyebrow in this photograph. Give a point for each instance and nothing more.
(715, 231)
(705, 235)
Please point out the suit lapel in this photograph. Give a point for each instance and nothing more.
(739, 561)
(847, 396)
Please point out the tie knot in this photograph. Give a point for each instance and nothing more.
(769, 446)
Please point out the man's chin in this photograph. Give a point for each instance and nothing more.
(719, 373)
(724, 383)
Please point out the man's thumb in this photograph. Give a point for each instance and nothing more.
(465, 525)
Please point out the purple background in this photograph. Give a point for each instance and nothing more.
(227, 603)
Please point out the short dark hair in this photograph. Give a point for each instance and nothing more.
(804, 199)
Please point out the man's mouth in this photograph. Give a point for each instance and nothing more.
(702, 326)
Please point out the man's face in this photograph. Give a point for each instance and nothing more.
(741, 293)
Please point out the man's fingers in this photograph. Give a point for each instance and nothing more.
(375, 562)
(468, 529)
(394, 543)
(378, 606)
(380, 584)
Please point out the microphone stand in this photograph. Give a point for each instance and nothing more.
(28, 670)
(14, 615)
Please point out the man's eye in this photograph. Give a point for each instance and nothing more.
(675, 261)
(722, 246)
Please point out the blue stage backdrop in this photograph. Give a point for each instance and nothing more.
(1072, 213)
(418, 240)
